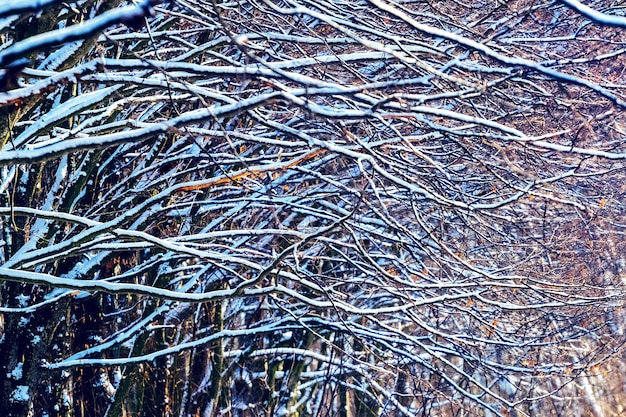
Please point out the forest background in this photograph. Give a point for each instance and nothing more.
(312, 208)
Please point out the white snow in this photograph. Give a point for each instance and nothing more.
(22, 300)
(20, 394)
(16, 373)
(602, 18)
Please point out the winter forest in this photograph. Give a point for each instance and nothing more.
(348, 208)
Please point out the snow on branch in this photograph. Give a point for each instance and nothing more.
(46, 153)
(373, 198)
(11, 7)
(490, 52)
(596, 16)
(129, 15)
